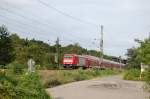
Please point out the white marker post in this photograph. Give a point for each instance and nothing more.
(31, 65)
(143, 67)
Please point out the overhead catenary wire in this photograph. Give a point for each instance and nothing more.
(31, 20)
(23, 26)
(26, 18)
(35, 20)
(21, 29)
(44, 22)
(28, 26)
(65, 14)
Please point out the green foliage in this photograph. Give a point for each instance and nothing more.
(30, 87)
(73, 49)
(21, 86)
(6, 87)
(144, 51)
(38, 50)
(139, 55)
(132, 74)
(6, 50)
(44, 54)
(145, 56)
(134, 60)
(66, 76)
(16, 68)
(41, 52)
(147, 78)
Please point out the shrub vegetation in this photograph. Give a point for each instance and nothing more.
(139, 55)
(15, 84)
(132, 74)
(65, 76)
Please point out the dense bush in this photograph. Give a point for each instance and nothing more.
(24, 86)
(31, 87)
(140, 54)
(16, 68)
(7, 87)
(132, 74)
(147, 78)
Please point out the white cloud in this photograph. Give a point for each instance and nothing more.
(17, 2)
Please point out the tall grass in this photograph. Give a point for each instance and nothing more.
(65, 76)
(132, 74)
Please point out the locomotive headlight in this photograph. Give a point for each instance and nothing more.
(67, 60)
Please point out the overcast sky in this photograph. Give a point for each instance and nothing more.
(79, 21)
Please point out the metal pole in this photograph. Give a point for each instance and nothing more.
(57, 49)
(101, 46)
(120, 62)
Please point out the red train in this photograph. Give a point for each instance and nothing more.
(87, 61)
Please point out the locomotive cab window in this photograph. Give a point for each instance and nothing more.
(68, 57)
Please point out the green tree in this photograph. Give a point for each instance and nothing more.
(144, 53)
(20, 48)
(133, 58)
(73, 49)
(139, 55)
(6, 49)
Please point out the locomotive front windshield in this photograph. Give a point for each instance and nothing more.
(68, 57)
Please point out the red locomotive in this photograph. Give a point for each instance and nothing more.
(87, 61)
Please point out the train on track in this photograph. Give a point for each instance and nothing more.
(87, 61)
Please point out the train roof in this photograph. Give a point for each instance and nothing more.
(105, 60)
(70, 54)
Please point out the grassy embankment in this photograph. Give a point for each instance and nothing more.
(58, 77)
(132, 74)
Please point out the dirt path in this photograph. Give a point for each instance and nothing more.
(103, 88)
